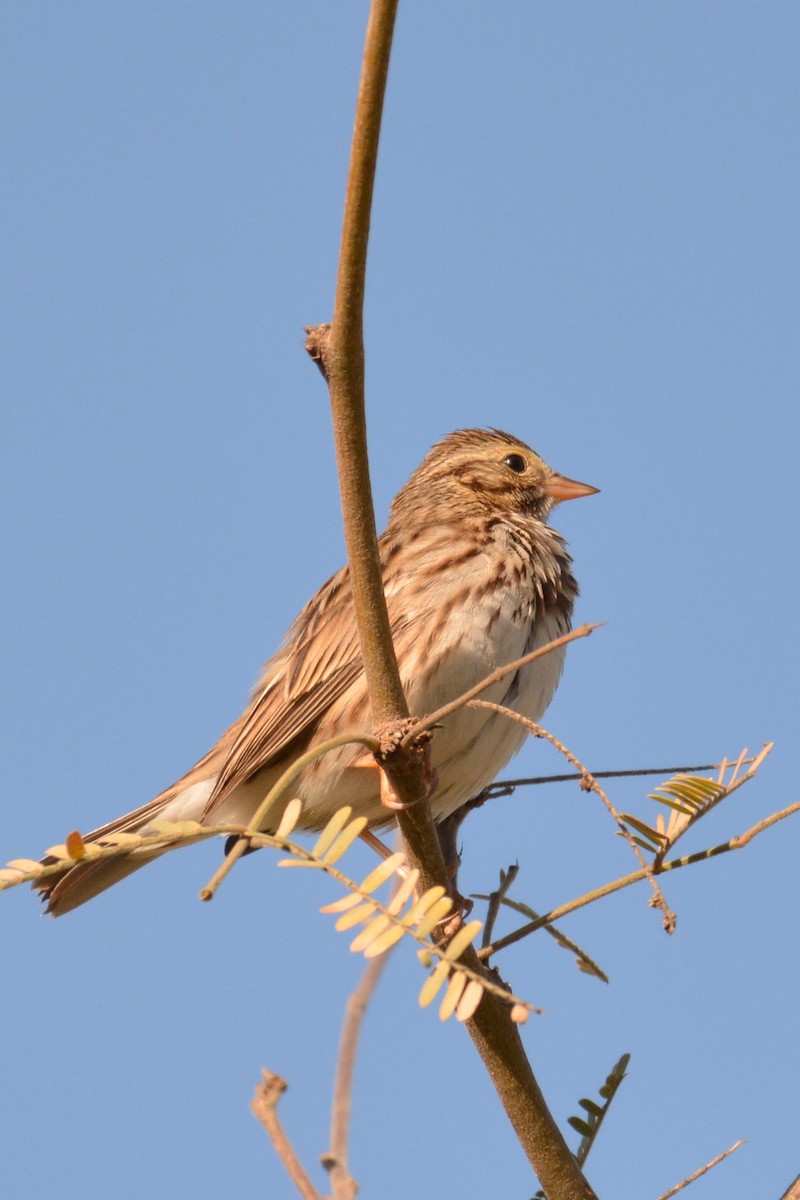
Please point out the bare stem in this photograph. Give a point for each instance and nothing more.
(495, 899)
(335, 1161)
(616, 885)
(590, 784)
(435, 718)
(264, 1106)
(505, 787)
(673, 1191)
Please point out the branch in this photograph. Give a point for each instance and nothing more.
(505, 787)
(674, 864)
(339, 351)
(431, 720)
(590, 784)
(335, 1161)
(700, 1171)
(264, 1106)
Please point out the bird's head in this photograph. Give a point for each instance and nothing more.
(486, 470)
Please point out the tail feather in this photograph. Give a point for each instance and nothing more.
(83, 882)
(78, 882)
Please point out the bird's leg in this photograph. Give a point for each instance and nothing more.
(391, 737)
(448, 832)
(375, 843)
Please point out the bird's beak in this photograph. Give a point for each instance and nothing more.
(558, 487)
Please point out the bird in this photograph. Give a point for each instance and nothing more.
(474, 578)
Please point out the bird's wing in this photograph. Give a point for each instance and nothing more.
(319, 662)
(272, 725)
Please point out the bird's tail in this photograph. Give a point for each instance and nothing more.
(78, 882)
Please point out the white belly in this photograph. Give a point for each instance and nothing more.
(474, 744)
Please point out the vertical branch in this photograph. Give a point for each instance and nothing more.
(338, 350)
(265, 1108)
(343, 1186)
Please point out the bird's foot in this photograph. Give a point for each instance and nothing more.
(397, 762)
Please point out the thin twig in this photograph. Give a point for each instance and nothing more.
(496, 897)
(335, 1163)
(264, 1106)
(240, 847)
(700, 1171)
(589, 783)
(435, 718)
(505, 787)
(616, 885)
(585, 963)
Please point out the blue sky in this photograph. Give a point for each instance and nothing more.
(585, 231)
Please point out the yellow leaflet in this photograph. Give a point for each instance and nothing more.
(462, 939)
(382, 872)
(342, 904)
(369, 933)
(384, 941)
(24, 864)
(59, 852)
(436, 913)
(334, 826)
(403, 892)
(355, 916)
(345, 840)
(423, 904)
(458, 981)
(291, 815)
(176, 828)
(470, 1000)
(10, 877)
(432, 984)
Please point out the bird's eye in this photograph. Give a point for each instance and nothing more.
(515, 463)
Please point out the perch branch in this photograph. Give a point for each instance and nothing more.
(339, 352)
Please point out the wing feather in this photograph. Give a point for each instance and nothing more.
(319, 662)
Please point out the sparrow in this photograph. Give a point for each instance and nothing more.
(474, 578)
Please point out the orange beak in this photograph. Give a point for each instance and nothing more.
(558, 487)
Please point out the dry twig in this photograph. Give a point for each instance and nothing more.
(616, 885)
(673, 1191)
(264, 1106)
(335, 1163)
(589, 784)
